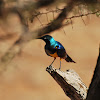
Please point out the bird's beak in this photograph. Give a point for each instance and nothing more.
(40, 38)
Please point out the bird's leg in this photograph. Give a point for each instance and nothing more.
(53, 61)
(60, 64)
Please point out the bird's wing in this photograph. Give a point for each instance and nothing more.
(61, 53)
(49, 50)
(61, 50)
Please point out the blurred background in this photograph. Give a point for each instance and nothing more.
(25, 77)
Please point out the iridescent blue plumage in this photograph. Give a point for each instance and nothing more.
(55, 49)
(60, 45)
(52, 42)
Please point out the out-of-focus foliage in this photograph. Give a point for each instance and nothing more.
(28, 9)
(26, 12)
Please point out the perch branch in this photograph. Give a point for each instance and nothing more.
(70, 82)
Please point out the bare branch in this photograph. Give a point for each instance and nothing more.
(83, 21)
(47, 18)
(57, 23)
(75, 16)
(70, 82)
(63, 30)
(39, 21)
(7, 58)
(83, 14)
(71, 23)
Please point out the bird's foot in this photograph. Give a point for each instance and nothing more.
(50, 66)
(59, 68)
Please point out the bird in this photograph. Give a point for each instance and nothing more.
(55, 49)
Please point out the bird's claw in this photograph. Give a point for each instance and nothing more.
(50, 66)
(59, 68)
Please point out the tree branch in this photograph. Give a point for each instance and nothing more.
(70, 82)
(56, 10)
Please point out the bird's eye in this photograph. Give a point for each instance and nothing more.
(45, 38)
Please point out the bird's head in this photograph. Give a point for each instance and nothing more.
(47, 38)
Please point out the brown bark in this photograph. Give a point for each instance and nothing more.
(70, 82)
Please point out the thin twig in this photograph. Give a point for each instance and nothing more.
(53, 16)
(47, 18)
(83, 21)
(75, 16)
(83, 15)
(39, 21)
(71, 23)
(63, 30)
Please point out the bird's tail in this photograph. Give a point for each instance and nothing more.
(68, 59)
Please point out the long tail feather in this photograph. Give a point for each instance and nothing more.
(68, 59)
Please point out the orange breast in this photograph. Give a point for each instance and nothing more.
(54, 55)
